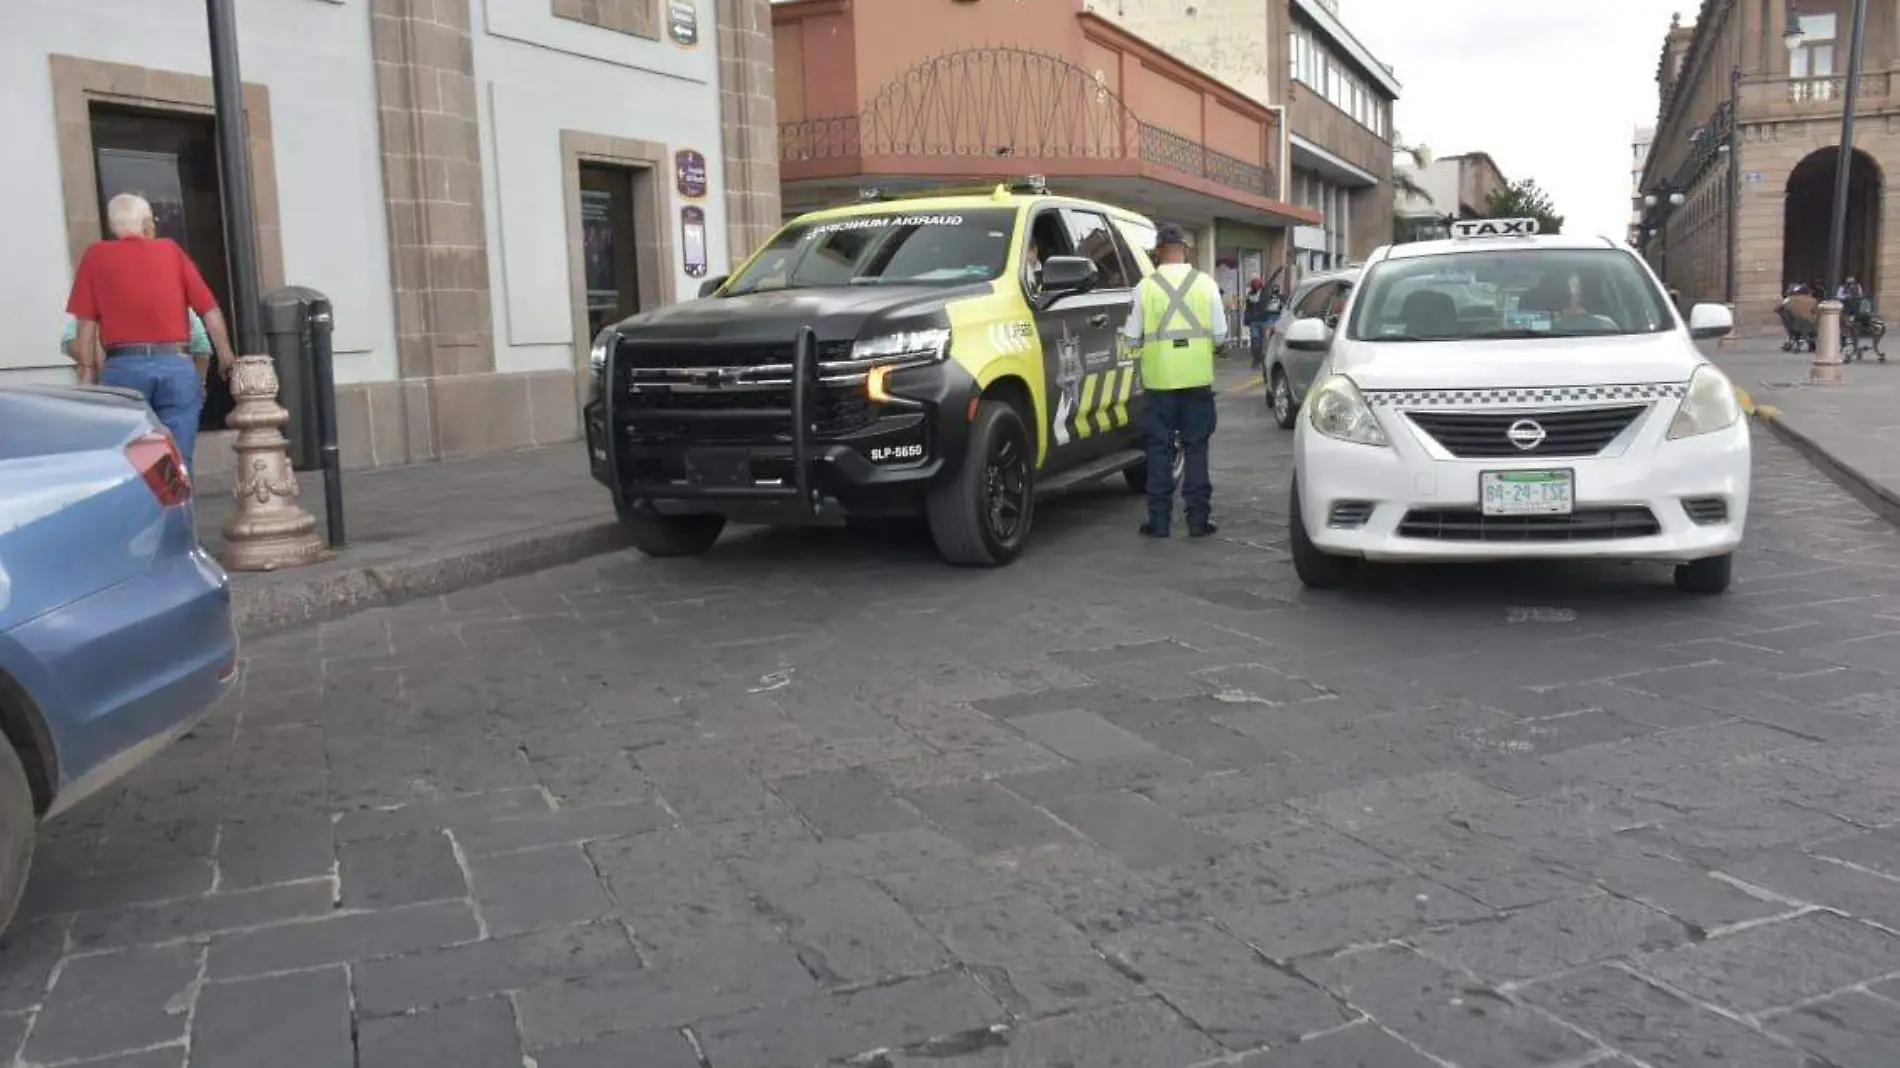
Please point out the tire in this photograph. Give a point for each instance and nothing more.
(1706, 576)
(19, 827)
(1280, 401)
(1317, 570)
(670, 535)
(982, 515)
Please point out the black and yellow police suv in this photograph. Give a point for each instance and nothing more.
(951, 356)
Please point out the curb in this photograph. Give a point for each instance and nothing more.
(1869, 491)
(273, 607)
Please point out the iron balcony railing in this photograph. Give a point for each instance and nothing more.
(1009, 103)
(843, 138)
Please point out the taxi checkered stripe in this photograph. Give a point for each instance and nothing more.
(1512, 398)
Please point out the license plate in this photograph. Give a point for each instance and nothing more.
(718, 468)
(1527, 492)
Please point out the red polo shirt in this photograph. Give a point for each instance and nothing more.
(137, 291)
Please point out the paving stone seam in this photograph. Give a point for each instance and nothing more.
(1629, 968)
(468, 884)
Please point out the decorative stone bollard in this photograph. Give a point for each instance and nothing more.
(271, 530)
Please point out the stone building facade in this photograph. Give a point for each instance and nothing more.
(477, 186)
(1747, 136)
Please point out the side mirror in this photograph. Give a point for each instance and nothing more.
(1066, 275)
(1710, 321)
(1309, 335)
(711, 286)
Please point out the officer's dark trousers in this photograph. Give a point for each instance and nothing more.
(1189, 413)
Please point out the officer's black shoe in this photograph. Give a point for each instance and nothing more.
(1152, 529)
(1202, 530)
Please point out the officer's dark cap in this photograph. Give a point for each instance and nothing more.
(1170, 234)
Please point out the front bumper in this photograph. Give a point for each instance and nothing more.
(1650, 473)
(748, 461)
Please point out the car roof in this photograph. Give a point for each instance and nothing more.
(1452, 246)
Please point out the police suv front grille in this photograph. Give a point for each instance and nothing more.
(744, 414)
(1585, 524)
(1565, 431)
(707, 354)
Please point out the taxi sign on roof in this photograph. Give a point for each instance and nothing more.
(1469, 228)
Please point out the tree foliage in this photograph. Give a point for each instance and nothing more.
(1524, 199)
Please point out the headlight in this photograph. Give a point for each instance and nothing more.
(932, 344)
(1708, 406)
(597, 356)
(1338, 411)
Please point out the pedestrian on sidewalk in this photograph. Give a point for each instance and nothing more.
(1176, 323)
(1254, 318)
(132, 296)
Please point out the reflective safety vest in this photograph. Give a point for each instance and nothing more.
(1178, 306)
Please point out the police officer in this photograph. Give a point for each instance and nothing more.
(1176, 324)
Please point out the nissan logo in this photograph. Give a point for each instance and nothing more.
(1525, 434)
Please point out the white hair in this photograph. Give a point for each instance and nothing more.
(127, 214)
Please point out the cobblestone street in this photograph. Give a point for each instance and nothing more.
(818, 799)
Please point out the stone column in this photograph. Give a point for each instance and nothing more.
(432, 174)
(750, 118)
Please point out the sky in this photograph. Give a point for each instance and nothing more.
(1552, 89)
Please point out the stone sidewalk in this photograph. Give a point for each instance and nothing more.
(426, 529)
(1851, 430)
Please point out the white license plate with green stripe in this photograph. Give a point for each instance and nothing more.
(1527, 492)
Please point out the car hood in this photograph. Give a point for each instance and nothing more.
(1510, 364)
(836, 313)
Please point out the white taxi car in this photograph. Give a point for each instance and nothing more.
(1509, 395)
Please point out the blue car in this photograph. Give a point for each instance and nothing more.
(115, 626)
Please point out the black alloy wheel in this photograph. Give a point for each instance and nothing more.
(1006, 488)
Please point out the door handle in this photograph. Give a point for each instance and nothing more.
(1100, 319)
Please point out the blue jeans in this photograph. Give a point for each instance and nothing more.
(1259, 331)
(1191, 414)
(169, 383)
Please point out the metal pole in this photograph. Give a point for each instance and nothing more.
(1843, 169)
(234, 173)
(321, 325)
(270, 530)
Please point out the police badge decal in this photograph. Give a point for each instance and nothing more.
(1069, 378)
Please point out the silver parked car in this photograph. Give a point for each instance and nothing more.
(1288, 374)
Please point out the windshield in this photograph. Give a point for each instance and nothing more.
(899, 248)
(1528, 293)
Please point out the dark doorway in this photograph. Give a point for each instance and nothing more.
(1810, 211)
(609, 255)
(171, 159)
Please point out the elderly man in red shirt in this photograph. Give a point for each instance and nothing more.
(130, 296)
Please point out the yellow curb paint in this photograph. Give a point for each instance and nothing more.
(1747, 402)
(1252, 383)
(1768, 411)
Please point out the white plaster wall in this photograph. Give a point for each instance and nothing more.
(540, 75)
(314, 55)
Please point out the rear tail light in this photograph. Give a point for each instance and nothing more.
(157, 460)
